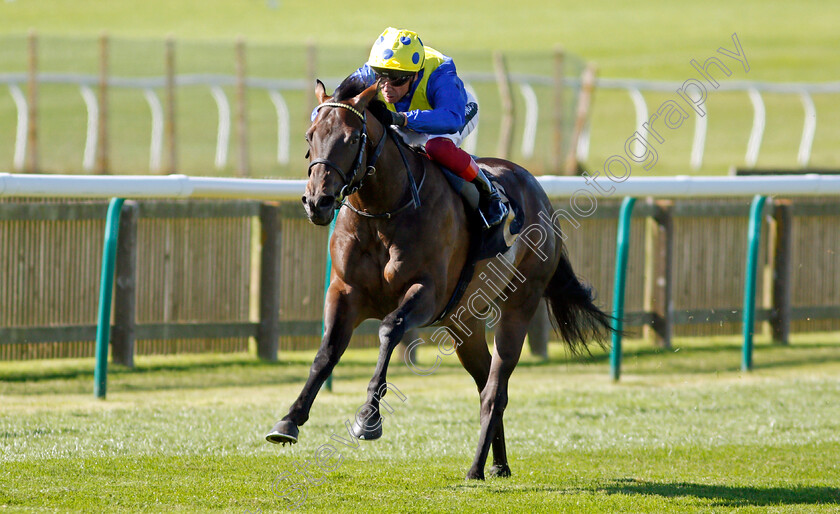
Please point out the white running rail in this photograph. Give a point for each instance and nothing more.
(182, 186)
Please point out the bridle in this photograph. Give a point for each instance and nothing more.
(349, 187)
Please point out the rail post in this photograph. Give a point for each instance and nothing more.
(171, 111)
(559, 110)
(106, 285)
(102, 161)
(780, 286)
(506, 96)
(31, 164)
(587, 88)
(659, 274)
(754, 235)
(268, 331)
(311, 76)
(538, 332)
(243, 167)
(328, 269)
(125, 285)
(622, 249)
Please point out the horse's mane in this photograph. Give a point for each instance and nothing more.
(349, 87)
(352, 86)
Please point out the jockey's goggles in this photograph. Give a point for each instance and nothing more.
(395, 81)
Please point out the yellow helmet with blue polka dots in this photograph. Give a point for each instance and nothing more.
(397, 50)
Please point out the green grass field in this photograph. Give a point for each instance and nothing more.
(782, 41)
(684, 431)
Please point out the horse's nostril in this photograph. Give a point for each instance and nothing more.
(326, 201)
(303, 199)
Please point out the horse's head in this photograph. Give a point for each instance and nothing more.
(337, 146)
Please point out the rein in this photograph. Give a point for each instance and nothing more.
(349, 188)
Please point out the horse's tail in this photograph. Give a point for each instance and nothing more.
(572, 311)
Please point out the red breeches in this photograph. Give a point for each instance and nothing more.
(444, 151)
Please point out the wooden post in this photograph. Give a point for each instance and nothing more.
(587, 87)
(243, 168)
(559, 108)
(125, 290)
(31, 163)
(268, 331)
(649, 273)
(102, 164)
(402, 348)
(658, 272)
(171, 137)
(539, 330)
(311, 76)
(781, 259)
(506, 129)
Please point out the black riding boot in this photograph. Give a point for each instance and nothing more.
(490, 204)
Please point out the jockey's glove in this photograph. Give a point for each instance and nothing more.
(398, 118)
(386, 116)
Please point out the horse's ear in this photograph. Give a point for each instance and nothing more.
(363, 99)
(321, 91)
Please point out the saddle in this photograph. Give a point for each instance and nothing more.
(483, 243)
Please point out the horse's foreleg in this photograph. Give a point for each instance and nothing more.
(340, 313)
(416, 308)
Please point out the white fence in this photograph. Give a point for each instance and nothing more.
(754, 90)
(525, 84)
(182, 186)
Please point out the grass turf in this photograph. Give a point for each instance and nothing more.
(683, 431)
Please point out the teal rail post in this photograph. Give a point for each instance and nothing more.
(328, 383)
(754, 234)
(622, 248)
(106, 287)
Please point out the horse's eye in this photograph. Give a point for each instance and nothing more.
(355, 140)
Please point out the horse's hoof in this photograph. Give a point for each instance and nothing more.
(284, 431)
(368, 432)
(502, 471)
(475, 474)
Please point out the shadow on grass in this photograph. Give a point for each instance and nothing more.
(116, 369)
(729, 496)
(242, 371)
(80, 383)
(681, 357)
(600, 356)
(361, 366)
(499, 485)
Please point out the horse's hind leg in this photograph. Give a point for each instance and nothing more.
(510, 335)
(340, 313)
(416, 308)
(475, 357)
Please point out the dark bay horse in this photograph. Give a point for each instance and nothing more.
(400, 263)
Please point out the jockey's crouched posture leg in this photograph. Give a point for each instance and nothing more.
(444, 151)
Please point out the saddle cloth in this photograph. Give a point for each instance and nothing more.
(495, 239)
(483, 243)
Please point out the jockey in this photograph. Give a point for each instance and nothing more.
(429, 106)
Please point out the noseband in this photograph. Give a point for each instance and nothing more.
(349, 188)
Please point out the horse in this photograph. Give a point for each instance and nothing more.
(398, 260)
